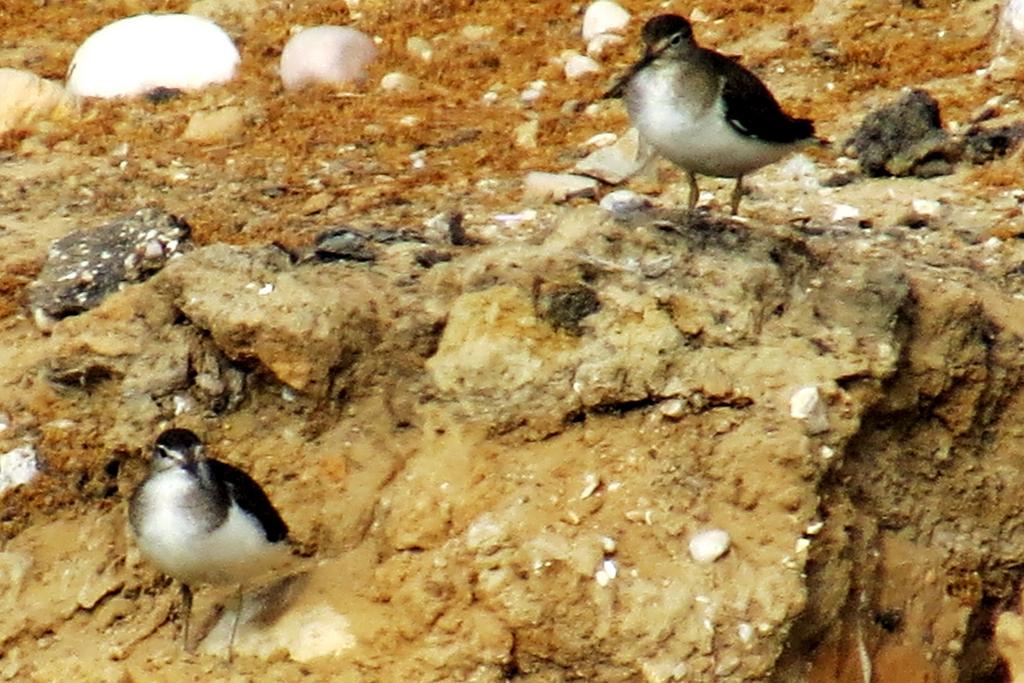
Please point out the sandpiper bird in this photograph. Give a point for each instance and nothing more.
(703, 111)
(200, 520)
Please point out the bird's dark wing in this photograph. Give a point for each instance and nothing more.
(751, 108)
(251, 498)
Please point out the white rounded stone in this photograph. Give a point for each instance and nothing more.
(136, 55)
(621, 202)
(709, 545)
(578, 66)
(396, 81)
(604, 16)
(332, 55)
(599, 44)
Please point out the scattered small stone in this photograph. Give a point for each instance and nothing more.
(565, 306)
(17, 467)
(316, 203)
(608, 571)
(841, 179)
(85, 266)
(624, 202)
(428, 258)
(806, 404)
(533, 92)
(396, 81)
(844, 213)
(905, 138)
(220, 125)
(604, 16)
(344, 244)
(923, 213)
(333, 55)
(616, 162)
(674, 409)
(578, 66)
(420, 48)
(135, 55)
(525, 134)
(982, 145)
(599, 45)
(476, 32)
(517, 218)
(559, 187)
(707, 546)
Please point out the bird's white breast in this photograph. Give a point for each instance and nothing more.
(690, 129)
(173, 535)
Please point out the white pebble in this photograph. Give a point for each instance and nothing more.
(396, 81)
(814, 528)
(845, 212)
(598, 45)
(745, 632)
(579, 66)
(608, 544)
(420, 48)
(926, 207)
(804, 402)
(604, 16)
(136, 55)
(334, 55)
(590, 483)
(622, 202)
(707, 546)
(17, 467)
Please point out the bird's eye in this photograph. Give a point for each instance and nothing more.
(676, 39)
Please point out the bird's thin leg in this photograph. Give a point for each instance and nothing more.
(186, 609)
(737, 195)
(234, 626)
(694, 190)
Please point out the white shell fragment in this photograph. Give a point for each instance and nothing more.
(17, 467)
(136, 55)
(709, 545)
(806, 404)
(603, 16)
(333, 55)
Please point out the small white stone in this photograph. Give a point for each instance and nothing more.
(827, 452)
(604, 16)
(845, 212)
(420, 48)
(928, 208)
(707, 546)
(183, 403)
(513, 219)
(490, 97)
(396, 81)
(804, 402)
(333, 55)
(814, 528)
(802, 544)
(610, 568)
(598, 45)
(622, 202)
(17, 467)
(608, 544)
(745, 632)
(590, 483)
(559, 187)
(266, 289)
(579, 66)
(409, 120)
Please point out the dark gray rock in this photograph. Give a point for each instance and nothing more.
(87, 265)
(905, 138)
(982, 145)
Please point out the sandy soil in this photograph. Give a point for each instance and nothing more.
(456, 465)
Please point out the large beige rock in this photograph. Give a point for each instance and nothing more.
(26, 99)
